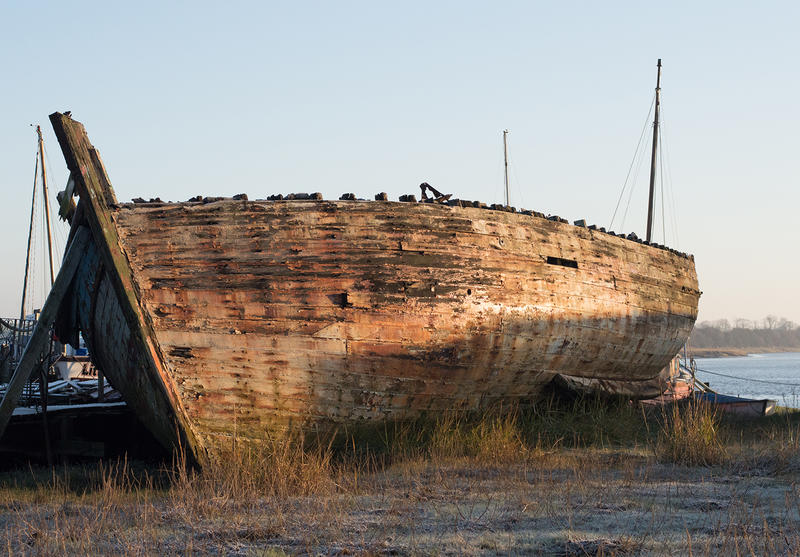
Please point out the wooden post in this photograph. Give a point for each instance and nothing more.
(41, 333)
(45, 426)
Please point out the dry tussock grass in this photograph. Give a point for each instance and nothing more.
(576, 477)
(690, 435)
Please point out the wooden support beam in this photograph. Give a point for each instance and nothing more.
(98, 202)
(40, 339)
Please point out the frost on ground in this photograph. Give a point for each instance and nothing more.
(588, 502)
(583, 478)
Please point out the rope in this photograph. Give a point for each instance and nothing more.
(670, 185)
(59, 234)
(634, 181)
(633, 161)
(516, 185)
(745, 378)
(661, 182)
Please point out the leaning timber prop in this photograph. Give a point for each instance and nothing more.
(223, 319)
(40, 339)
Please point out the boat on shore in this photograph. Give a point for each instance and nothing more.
(738, 406)
(230, 318)
(221, 320)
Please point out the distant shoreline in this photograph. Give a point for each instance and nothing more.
(728, 352)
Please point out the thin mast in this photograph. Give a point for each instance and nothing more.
(30, 238)
(46, 206)
(653, 157)
(505, 158)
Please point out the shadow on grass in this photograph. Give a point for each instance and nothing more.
(293, 464)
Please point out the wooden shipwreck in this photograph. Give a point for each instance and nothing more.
(230, 317)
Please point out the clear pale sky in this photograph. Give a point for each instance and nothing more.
(257, 97)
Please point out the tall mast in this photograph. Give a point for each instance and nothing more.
(653, 156)
(505, 158)
(46, 206)
(30, 239)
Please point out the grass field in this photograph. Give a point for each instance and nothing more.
(582, 477)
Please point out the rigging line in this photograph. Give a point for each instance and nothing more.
(637, 170)
(30, 237)
(47, 158)
(44, 283)
(637, 154)
(501, 183)
(57, 237)
(499, 171)
(661, 182)
(516, 182)
(633, 160)
(644, 156)
(745, 378)
(35, 240)
(671, 189)
(58, 229)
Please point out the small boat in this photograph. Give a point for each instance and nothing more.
(677, 385)
(744, 407)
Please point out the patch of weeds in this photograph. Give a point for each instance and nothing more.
(690, 435)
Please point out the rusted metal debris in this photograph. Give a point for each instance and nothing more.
(437, 195)
(232, 318)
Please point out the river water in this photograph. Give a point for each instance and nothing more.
(773, 376)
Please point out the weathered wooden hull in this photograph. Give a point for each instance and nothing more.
(308, 313)
(239, 317)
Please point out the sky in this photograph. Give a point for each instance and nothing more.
(213, 98)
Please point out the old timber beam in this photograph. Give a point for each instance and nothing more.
(41, 333)
(97, 197)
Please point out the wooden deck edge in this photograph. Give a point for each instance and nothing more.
(94, 187)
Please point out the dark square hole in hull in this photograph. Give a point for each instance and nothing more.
(563, 262)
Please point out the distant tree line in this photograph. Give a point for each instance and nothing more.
(743, 333)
